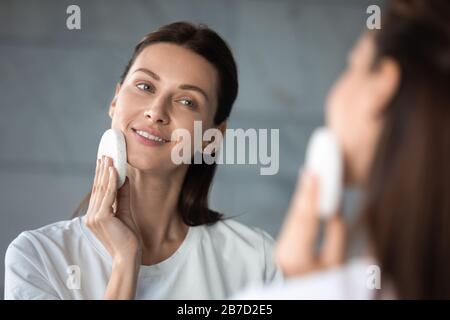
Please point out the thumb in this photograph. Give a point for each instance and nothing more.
(333, 250)
(123, 197)
(295, 247)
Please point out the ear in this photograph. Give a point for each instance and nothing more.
(222, 126)
(112, 106)
(385, 83)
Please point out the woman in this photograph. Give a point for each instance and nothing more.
(390, 110)
(155, 238)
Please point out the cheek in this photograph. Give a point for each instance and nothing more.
(195, 125)
(185, 118)
(125, 107)
(338, 107)
(119, 115)
(128, 99)
(344, 113)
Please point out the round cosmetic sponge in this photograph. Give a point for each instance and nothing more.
(323, 158)
(112, 144)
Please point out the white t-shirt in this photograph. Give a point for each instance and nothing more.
(356, 280)
(65, 260)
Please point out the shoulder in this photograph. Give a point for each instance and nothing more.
(237, 234)
(40, 240)
(345, 282)
(249, 248)
(33, 260)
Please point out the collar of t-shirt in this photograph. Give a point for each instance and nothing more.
(166, 265)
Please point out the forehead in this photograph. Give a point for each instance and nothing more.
(176, 64)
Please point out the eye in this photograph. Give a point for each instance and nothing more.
(145, 87)
(187, 102)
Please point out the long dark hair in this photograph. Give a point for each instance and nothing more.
(193, 200)
(407, 207)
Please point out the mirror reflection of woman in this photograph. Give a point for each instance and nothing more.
(155, 238)
(390, 110)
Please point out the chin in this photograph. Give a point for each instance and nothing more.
(140, 163)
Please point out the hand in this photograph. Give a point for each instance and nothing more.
(109, 216)
(295, 250)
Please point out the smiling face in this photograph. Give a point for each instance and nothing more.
(168, 87)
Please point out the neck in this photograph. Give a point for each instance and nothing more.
(154, 201)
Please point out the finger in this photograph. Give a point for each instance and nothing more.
(303, 213)
(333, 249)
(123, 198)
(123, 205)
(104, 186)
(98, 188)
(295, 248)
(115, 205)
(110, 195)
(94, 184)
(97, 173)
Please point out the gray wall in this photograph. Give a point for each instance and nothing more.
(56, 84)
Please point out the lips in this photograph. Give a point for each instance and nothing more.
(149, 136)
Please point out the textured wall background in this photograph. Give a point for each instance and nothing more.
(56, 84)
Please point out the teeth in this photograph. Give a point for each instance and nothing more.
(149, 136)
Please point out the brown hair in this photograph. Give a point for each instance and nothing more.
(407, 206)
(193, 200)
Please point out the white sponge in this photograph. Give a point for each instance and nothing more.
(323, 158)
(113, 145)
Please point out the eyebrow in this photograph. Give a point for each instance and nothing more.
(194, 88)
(149, 72)
(183, 86)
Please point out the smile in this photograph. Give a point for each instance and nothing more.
(147, 138)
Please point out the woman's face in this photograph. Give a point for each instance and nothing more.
(167, 88)
(354, 106)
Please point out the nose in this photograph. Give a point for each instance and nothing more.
(157, 114)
